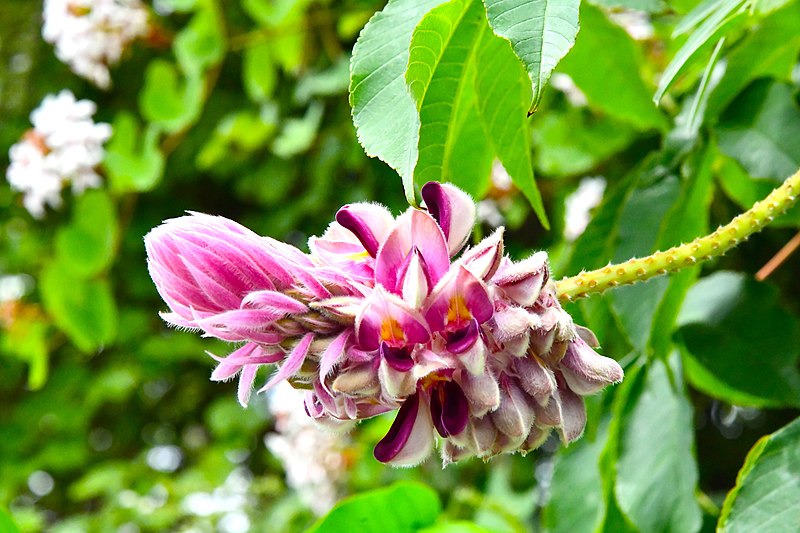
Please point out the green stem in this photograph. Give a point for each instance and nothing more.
(701, 249)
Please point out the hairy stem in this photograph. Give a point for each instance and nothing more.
(701, 249)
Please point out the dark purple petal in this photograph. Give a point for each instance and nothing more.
(360, 228)
(449, 408)
(397, 358)
(410, 439)
(461, 340)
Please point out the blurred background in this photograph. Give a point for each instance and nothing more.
(108, 420)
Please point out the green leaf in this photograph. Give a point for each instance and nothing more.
(7, 524)
(725, 319)
(760, 129)
(167, 101)
(133, 161)
(27, 339)
(384, 114)
(298, 134)
(503, 91)
(258, 72)
(87, 245)
(576, 499)
(200, 44)
(767, 492)
(575, 141)
(440, 77)
(237, 134)
(648, 6)
(541, 32)
(640, 224)
(404, 507)
(83, 309)
(656, 470)
(611, 80)
(460, 526)
(717, 17)
(769, 51)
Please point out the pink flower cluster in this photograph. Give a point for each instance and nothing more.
(380, 316)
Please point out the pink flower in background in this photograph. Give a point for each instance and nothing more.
(384, 315)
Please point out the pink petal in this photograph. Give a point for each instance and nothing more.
(292, 364)
(333, 353)
(246, 383)
(573, 415)
(277, 301)
(586, 371)
(523, 281)
(413, 228)
(387, 318)
(458, 298)
(370, 223)
(515, 415)
(484, 259)
(453, 209)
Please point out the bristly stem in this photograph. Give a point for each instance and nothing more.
(701, 249)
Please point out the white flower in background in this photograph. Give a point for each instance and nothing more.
(91, 35)
(314, 459)
(579, 205)
(64, 146)
(636, 23)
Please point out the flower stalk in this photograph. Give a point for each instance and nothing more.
(701, 249)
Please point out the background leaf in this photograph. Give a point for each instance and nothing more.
(611, 80)
(726, 320)
(767, 492)
(404, 507)
(656, 473)
(759, 129)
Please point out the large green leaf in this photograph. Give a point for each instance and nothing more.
(760, 130)
(740, 345)
(504, 92)
(611, 79)
(87, 245)
(767, 492)
(656, 470)
(384, 113)
(541, 32)
(440, 77)
(771, 50)
(405, 507)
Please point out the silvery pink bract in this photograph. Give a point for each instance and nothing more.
(381, 317)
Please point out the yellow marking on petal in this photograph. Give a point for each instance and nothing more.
(391, 331)
(358, 256)
(458, 312)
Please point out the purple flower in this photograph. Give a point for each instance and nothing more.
(474, 351)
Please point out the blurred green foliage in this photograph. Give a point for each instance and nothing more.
(241, 109)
